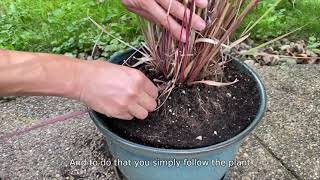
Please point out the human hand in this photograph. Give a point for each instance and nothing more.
(156, 11)
(115, 90)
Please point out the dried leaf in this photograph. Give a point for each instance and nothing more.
(210, 41)
(141, 61)
(214, 83)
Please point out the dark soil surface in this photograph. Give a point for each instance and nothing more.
(196, 116)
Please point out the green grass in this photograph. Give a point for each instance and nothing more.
(62, 26)
(286, 18)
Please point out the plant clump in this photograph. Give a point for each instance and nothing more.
(202, 54)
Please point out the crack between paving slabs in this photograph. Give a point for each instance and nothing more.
(291, 171)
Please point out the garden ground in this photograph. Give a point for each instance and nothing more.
(62, 26)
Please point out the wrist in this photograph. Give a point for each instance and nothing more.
(73, 88)
(84, 75)
(59, 76)
(81, 73)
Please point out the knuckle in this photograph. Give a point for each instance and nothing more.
(114, 113)
(138, 77)
(122, 105)
(133, 92)
(164, 22)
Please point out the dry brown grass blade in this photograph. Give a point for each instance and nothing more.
(210, 41)
(214, 83)
(111, 35)
(240, 40)
(142, 61)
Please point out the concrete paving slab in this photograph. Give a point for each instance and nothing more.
(291, 127)
(75, 149)
(262, 164)
(69, 150)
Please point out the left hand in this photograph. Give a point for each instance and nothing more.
(156, 11)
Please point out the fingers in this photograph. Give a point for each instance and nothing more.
(138, 111)
(167, 21)
(125, 117)
(114, 114)
(130, 93)
(156, 11)
(150, 88)
(142, 13)
(178, 10)
(147, 102)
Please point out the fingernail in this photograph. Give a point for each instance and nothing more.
(200, 25)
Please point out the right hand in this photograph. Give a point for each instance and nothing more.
(116, 91)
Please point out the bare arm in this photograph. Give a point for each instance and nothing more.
(37, 74)
(113, 90)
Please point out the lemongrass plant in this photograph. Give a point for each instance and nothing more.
(202, 53)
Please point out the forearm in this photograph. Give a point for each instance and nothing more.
(37, 74)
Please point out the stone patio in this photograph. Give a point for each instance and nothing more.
(286, 144)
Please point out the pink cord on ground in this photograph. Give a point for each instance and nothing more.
(45, 122)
